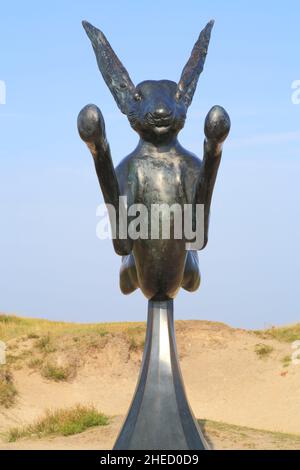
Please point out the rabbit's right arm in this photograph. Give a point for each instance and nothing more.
(91, 128)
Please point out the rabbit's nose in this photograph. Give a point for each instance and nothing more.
(162, 113)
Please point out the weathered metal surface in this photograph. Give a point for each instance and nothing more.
(159, 417)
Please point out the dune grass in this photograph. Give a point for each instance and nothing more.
(8, 391)
(61, 422)
(37, 343)
(53, 371)
(286, 334)
(249, 438)
(286, 360)
(35, 363)
(263, 350)
(12, 327)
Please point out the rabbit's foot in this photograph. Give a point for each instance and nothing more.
(91, 127)
(128, 275)
(217, 124)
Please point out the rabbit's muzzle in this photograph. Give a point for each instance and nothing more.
(160, 120)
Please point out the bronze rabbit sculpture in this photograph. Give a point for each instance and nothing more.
(159, 170)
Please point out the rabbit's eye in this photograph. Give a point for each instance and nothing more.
(137, 97)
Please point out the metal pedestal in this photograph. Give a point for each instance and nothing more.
(159, 417)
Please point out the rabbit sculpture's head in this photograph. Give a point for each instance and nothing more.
(155, 109)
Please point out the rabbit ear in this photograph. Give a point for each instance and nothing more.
(114, 73)
(193, 68)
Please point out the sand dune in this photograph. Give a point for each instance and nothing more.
(233, 376)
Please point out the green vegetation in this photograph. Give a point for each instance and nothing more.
(8, 391)
(133, 344)
(32, 336)
(35, 363)
(286, 334)
(136, 338)
(43, 345)
(43, 342)
(103, 333)
(57, 373)
(12, 327)
(64, 422)
(249, 438)
(286, 360)
(17, 357)
(263, 350)
(5, 319)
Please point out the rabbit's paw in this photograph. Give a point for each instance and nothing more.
(91, 126)
(217, 124)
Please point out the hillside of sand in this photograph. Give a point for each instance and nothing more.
(241, 384)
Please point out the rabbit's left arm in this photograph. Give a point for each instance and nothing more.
(217, 126)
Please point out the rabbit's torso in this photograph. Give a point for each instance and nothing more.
(159, 177)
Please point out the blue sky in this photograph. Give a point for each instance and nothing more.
(52, 264)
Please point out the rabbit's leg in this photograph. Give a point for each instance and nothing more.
(191, 277)
(91, 129)
(128, 275)
(217, 126)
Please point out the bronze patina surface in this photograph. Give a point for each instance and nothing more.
(158, 171)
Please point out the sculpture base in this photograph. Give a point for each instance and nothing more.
(159, 417)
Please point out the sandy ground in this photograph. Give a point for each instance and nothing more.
(218, 438)
(225, 380)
